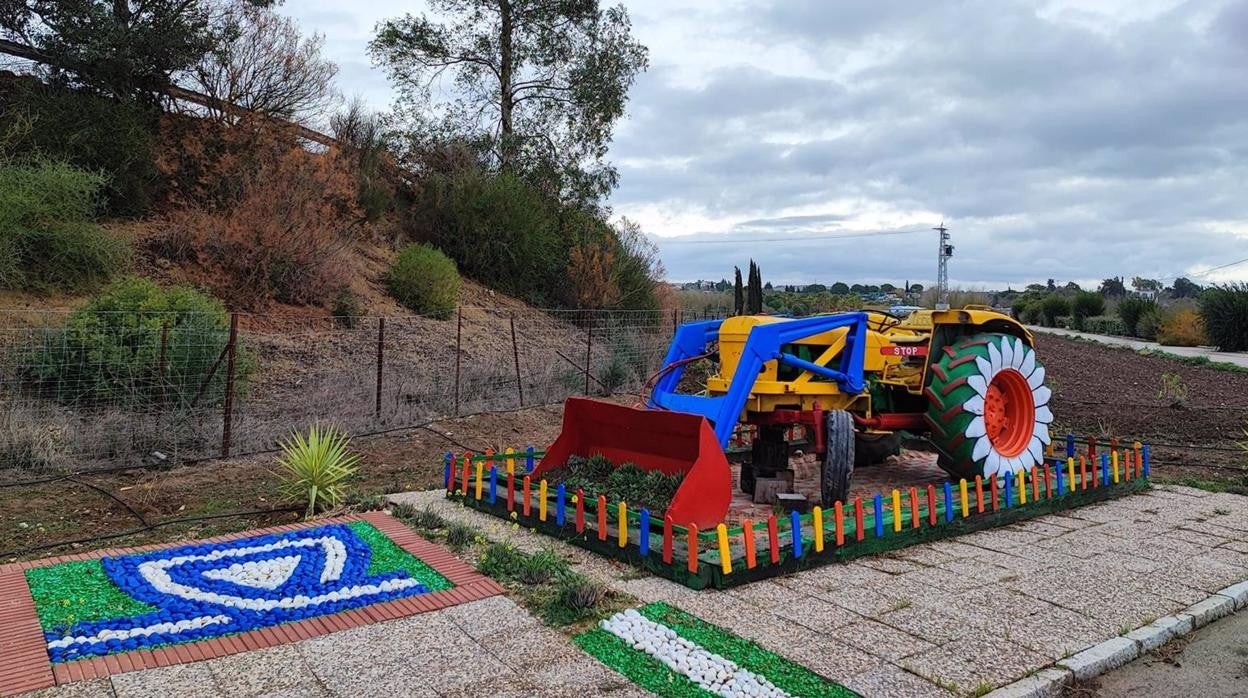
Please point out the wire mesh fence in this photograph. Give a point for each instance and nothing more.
(81, 391)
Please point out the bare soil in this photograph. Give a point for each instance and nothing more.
(396, 462)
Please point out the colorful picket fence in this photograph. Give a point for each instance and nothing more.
(500, 484)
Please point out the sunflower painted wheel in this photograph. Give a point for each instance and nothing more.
(988, 407)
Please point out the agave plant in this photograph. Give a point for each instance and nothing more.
(315, 468)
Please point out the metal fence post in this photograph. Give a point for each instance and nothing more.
(515, 355)
(227, 414)
(381, 349)
(459, 333)
(160, 364)
(589, 346)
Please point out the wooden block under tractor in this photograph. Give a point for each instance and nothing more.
(766, 488)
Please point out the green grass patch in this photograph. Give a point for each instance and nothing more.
(1201, 361)
(547, 586)
(73, 592)
(639, 667)
(791, 677)
(1234, 485)
(388, 557)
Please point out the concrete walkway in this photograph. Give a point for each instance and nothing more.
(1238, 358)
(953, 617)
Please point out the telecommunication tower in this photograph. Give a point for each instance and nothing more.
(942, 268)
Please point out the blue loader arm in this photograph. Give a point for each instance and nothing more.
(763, 345)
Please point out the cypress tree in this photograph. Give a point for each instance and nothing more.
(738, 294)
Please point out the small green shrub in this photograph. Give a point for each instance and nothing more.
(114, 137)
(1032, 314)
(1173, 391)
(459, 536)
(1149, 324)
(1085, 305)
(315, 469)
(40, 190)
(1224, 310)
(500, 230)
(1105, 324)
(49, 241)
(109, 351)
(1052, 306)
(502, 561)
(651, 489)
(1131, 309)
(427, 519)
(425, 281)
(614, 375)
(347, 308)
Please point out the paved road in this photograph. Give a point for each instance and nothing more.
(1239, 358)
(1211, 663)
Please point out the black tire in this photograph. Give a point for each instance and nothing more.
(871, 449)
(747, 478)
(838, 458)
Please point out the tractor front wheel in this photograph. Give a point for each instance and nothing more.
(988, 407)
(838, 458)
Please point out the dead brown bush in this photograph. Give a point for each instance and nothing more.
(281, 236)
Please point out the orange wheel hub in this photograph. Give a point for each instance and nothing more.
(1009, 413)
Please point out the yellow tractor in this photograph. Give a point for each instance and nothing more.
(967, 379)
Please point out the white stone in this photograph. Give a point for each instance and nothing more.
(1098, 659)
(1238, 592)
(1209, 610)
(1160, 631)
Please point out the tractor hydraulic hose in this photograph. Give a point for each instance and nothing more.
(648, 386)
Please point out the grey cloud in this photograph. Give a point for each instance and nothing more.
(1108, 153)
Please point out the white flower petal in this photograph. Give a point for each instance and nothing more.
(1007, 353)
(1044, 414)
(1021, 351)
(1042, 433)
(1042, 395)
(1029, 361)
(982, 447)
(976, 428)
(985, 368)
(979, 384)
(1036, 449)
(992, 464)
(974, 405)
(994, 357)
(1030, 461)
(1036, 379)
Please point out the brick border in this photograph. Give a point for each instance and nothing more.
(24, 664)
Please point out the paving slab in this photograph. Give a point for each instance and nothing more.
(893, 681)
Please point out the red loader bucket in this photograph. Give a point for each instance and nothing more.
(670, 442)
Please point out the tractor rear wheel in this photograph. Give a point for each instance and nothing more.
(871, 449)
(988, 407)
(838, 458)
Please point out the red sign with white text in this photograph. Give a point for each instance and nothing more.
(904, 350)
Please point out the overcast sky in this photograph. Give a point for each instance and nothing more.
(1073, 139)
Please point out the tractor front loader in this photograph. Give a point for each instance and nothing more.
(966, 379)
